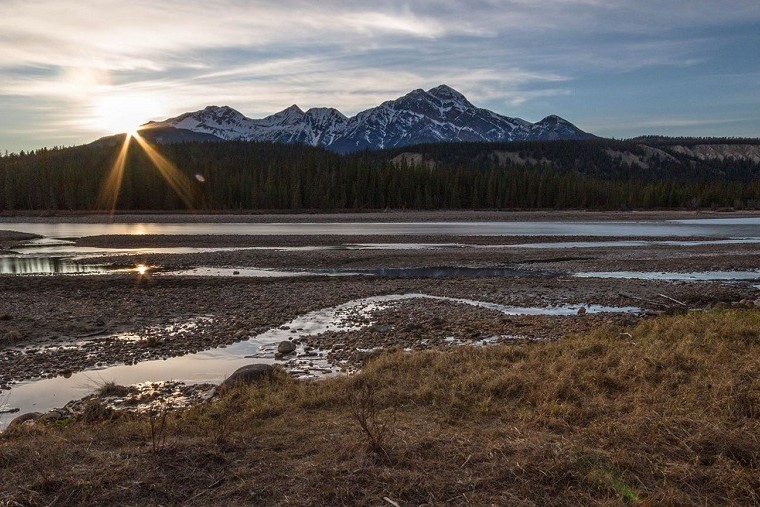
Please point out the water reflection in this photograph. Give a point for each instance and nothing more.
(411, 272)
(214, 365)
(47, 266)
(699, 276)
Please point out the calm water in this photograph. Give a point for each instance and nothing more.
(700, 276)
(434, 272)
(715, 228)
(47, 266)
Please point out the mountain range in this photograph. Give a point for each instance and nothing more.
(440, 114)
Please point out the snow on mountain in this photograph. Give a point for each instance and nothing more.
(440, 114)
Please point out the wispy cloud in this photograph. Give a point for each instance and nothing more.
(261, 56)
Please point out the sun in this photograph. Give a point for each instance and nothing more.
(125, 113)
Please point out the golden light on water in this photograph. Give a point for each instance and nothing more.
(141, 269)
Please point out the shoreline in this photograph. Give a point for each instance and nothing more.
(369, 216)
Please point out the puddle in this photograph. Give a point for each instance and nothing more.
(559, 245)
(213, 366)
(177, 328)
(404, 246)
(439, 272)
(243, 272)
(701, 276)
(435, 272)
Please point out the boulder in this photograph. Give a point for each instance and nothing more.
(29, 416)
(246, 375)
(286, 347)
(50, 417)
(582, 310)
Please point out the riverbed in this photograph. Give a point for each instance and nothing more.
(119, 299)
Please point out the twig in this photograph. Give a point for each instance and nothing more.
(394, 504)
(642, 299)
(214, 485)
(671, 299)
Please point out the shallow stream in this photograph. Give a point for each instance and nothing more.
(214, 365)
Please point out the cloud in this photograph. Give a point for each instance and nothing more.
(261, 56)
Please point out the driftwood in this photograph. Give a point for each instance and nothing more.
(671, 299)
(651, 302)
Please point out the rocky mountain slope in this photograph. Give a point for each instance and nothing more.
(440, 114)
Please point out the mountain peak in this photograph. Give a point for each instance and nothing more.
(553, 118)
(441, 114)
(290, 112)
(446, 92)
(219, 110)
(325, 112)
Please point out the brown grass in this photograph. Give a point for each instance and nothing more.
(10, 337)
(667, 415)
(112, 389)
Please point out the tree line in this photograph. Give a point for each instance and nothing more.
(246, 176)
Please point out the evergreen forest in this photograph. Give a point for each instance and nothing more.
(233, 176)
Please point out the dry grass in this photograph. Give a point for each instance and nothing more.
(668, 414)
(10, 337)
(112, 389)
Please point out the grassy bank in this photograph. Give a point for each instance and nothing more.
(666, 413)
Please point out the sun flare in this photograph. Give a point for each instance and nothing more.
(125, 113)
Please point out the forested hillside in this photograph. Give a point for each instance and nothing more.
(592, 174)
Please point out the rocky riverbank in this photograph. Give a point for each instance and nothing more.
(54, 326)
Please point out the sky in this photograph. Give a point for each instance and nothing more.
(74, 71)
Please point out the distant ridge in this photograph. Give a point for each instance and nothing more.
(440, 114)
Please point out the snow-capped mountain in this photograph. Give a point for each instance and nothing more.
(440, 114)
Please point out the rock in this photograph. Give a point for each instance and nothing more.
(51, 416)
(582, 310)
(363, 356)
(23, 418)
(250, 374)
(236, 272)
(286, 347)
